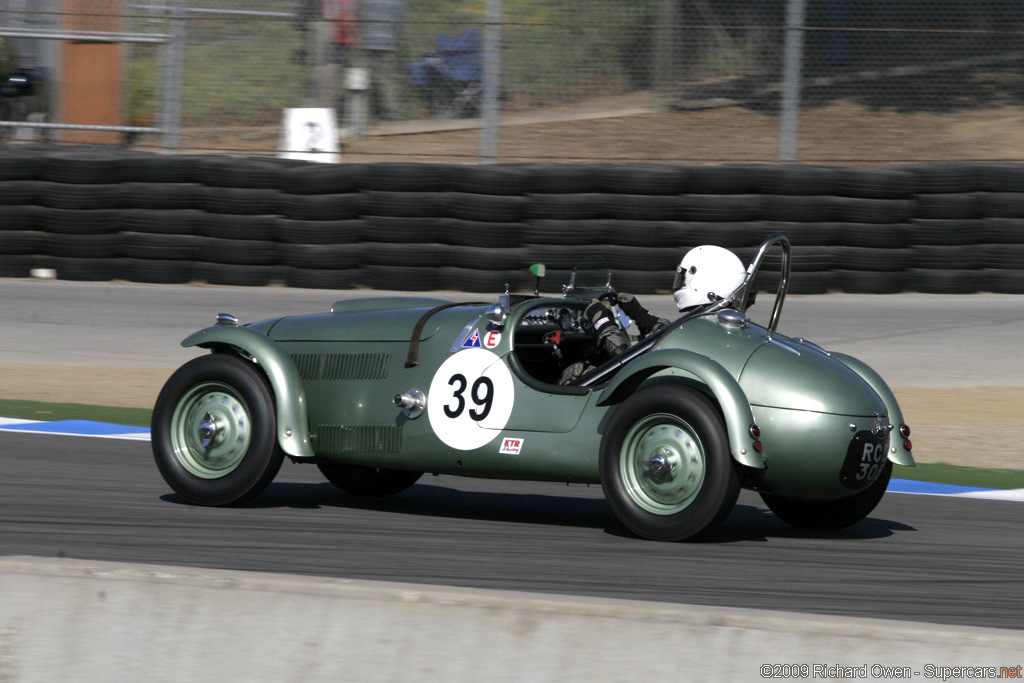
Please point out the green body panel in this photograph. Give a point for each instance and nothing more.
(779, 377)
(897, 452)
(722, 385)
(385, 303)
(387, 325)
(346, 367)
(288, 391)
(804, 451)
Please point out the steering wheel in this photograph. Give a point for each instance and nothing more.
(610, 296)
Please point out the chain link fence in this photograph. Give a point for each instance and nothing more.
(674, 81)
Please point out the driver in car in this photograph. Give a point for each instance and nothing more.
(705, 274)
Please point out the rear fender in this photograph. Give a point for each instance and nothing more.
(292, 420)
(897, 453)
(726, 390)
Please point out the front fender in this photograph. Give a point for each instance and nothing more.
(898, 454)
(292, 419)
(726, 390)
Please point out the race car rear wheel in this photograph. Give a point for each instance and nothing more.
(665, 464)
(832, 514)
(214, 431)
(362, 480)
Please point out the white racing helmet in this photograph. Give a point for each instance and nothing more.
(707, 273)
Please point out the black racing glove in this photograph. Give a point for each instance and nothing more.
(611, 338)
(645, 321)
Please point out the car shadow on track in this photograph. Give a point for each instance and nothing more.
(586, 509)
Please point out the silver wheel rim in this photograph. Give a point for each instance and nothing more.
(662, 463)
(211, 430)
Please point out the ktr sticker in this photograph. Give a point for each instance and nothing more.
(492, 339)
(511, 446)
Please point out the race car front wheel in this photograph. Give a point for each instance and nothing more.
(830, 515)
(214, 431)
(665, 464)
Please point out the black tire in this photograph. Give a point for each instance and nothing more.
(802, 180)
(493, 179)
(162, 196)
(681, 501)
(21, 192)
(401, 230)
(724, 208)
(565, 178)
(22, 218)
(323, 278)
(235, 274)
(325, 256)
(797, 209)
(564, 232)
(1001, 204)
(961, 205)
(215, 473)
(484, 258)
(163, 221)
(87, 269)
(146, 245)
(457, 232)
(240, 201)
(81, 196)
(875, 183)
(725, 179)
(643, 207)
(322, 178)
(157, 271)
(859, 210)
(364, 480)
(406, 177)
(77, 166)
(321, 207)
(318, 232)
(401, 204)
(224, 171)
(832, 514)
(645, 179)
(484, 207)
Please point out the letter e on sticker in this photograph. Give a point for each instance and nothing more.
(511, 446)
(492, 339)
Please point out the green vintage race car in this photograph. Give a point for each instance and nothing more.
(378, 391)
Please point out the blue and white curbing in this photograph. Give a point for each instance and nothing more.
(113, 431)
(75, 428)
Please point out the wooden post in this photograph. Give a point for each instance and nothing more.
(90, 77)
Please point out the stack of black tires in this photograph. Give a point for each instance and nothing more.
(101, 214)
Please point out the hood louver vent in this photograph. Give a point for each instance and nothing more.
(361, 439)
(342, 366)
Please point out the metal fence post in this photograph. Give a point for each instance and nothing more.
(174, 70)
(492, 65)
(791, 70)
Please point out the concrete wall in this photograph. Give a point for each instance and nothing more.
(76, 620)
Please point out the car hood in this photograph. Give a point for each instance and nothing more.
(391, 319)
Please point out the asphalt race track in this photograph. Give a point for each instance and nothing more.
(921, 558)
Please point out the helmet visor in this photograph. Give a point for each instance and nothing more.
(682, 277)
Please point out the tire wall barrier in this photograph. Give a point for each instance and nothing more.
(122, 215)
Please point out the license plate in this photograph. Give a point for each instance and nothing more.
(865, 459)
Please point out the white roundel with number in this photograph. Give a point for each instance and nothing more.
(470, 399)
